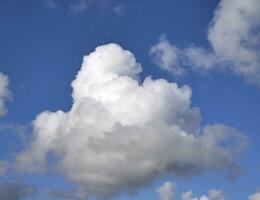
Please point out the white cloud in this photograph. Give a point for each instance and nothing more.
(200, 59)
(234, 35)
(5, 93)
(166, 56)
(166, 191)
(212, 195)
(255, 196)
(121, 134)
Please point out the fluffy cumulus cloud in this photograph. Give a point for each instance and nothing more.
(16, 190)
(212, 195)
(5, 93)
(234, 35)
(121, 133)
(166, 191)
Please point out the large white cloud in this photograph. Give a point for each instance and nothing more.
(234, 35)
(121, 133)
(5, 93)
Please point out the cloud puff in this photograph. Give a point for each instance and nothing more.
(166, 191)
(121, 133)
(5, 93)
(212, 195)
(167, 56)
(255, 196)
(16, 190)
(234, 35)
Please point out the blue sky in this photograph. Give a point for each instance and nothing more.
(41, 51)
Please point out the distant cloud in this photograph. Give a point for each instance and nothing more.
(75, 6)
(5, 93)
(201, 59)
(121, 133)
(79, 6)
(234, 35)
(120, 10)
(166, 191)
(17, 190)
(212, 195)
(51, 4)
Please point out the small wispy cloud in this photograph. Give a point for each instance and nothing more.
(167, 56)
(119, 10)
(51, 4)
(80, 6)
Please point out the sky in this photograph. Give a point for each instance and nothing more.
(129, 100)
